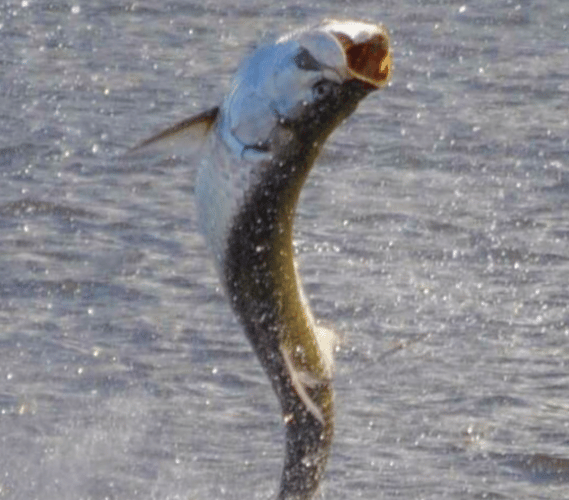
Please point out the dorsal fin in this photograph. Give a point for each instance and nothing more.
(185, 137)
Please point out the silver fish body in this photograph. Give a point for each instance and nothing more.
(258, 148)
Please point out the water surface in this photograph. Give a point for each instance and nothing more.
(433, 234)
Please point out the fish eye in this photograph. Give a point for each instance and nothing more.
(323, 88)
(305, 60)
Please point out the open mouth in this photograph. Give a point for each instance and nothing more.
(369, 60)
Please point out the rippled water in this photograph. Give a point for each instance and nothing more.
(433, 234)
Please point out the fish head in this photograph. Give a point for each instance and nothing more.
(310, 79)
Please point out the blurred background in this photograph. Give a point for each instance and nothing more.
(433, 235)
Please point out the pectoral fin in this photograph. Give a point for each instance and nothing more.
(299, 380)
(185, 137)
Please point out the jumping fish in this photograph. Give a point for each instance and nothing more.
(257, 149)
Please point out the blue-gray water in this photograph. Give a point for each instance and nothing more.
(433, 235)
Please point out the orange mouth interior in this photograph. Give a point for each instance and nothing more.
(369, 61)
